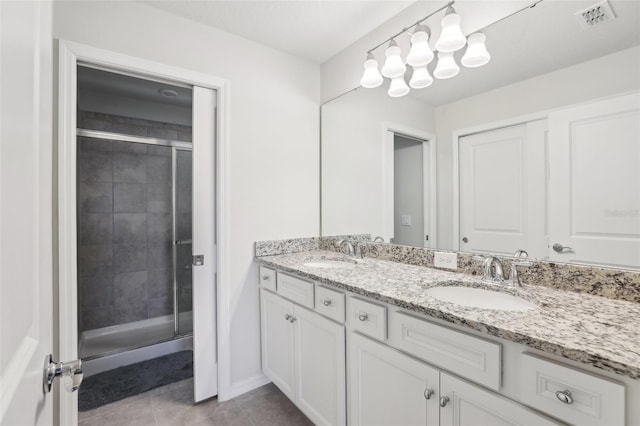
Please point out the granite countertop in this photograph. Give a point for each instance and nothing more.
(589, 329)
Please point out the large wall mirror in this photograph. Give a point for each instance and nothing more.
(539, 150)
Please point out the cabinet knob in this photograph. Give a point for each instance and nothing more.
(287, 317)
(292, 319)
(326, 302)
(363, 317)
(428, 393)
(564, 396)
(265, 278)
(444, 400)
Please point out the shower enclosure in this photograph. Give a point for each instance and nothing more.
(134, 198)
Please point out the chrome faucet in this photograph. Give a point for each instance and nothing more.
(358, 253)
(350, 251)
(488, 274)
(378, 240)
(514, 278)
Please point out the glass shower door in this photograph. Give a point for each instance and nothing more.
(183, 240)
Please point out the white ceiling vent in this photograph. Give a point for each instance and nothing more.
(594, 15)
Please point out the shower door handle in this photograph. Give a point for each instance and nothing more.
(70, 371)
(183, 242)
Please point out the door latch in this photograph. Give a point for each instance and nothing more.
(70, 371)
(198, 259)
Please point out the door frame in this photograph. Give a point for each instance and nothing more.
(455, 141)
(70, 54)
(430, 223)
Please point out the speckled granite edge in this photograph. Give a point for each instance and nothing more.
(330, 243)
(611, 283)
(297, 245)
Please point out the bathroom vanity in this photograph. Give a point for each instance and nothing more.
(366, 341)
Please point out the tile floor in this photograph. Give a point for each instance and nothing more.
(172, 405)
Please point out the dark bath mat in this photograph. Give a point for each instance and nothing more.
(123, 382)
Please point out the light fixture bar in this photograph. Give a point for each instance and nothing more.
(531, 6)
(404, 30)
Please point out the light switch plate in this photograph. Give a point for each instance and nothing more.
(405, 220)
(445, 260)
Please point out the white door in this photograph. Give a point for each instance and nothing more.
(277, 341)
(26, 258)
(470, 405)
(595, 183)
(502, 175)
(387, 387)
(205, 365)
(319, 367)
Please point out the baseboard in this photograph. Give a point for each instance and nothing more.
(246, 385)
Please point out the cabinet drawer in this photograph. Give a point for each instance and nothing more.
(295, 289)
(367, 318)
(468, 356)
(330, 303)
(593, 400)
(268, 278)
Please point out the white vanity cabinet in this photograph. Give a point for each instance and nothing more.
(303, 353)
(387, 387)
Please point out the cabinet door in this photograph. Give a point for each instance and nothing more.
(471, 405)
(387, 387)
(319, 367)
(277, 341)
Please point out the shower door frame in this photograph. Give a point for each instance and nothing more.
(70, 55)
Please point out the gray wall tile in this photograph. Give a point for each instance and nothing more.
(160, 306)
(129, 258)
(129, 287)
(129, 168)
(129, 198)
(160, 283)
(131, 310)
(96, 228)
(97, 290)
(184, 136)
(159, 168)
(159, 227)
(183, 226)
(92, 258)
(160, 255)
(129, 227)
(97, 317)
(95, 165)
(163, 151)
(95, 197)
(130, 147)
(130, 129)
(162, 133)
(159, 197)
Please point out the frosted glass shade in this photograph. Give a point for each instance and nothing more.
(476, 54)
(420, 53)
(420, 78)
(398, 87)
(371, 77)
(451, 37)
(446, 67)
(393, 66)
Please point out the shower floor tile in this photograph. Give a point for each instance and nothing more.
(173, 405)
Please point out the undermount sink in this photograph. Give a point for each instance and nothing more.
(480, 298)
(330, 263)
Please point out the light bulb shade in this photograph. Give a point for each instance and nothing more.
(398, 87)
(371, 77)
(393, 66)
(446, 67)
(476, 54)
(420, 78)
(420, 53)
(451, 37)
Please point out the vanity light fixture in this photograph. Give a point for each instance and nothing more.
(420, 55)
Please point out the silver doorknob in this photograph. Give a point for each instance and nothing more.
(70, 371)
(428, 393)
(564, 396)
(559, 248)
(444, 400)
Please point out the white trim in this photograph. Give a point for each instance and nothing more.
(388, 131)
(14, 371)
(246, 385)
(70, 55)
(455, 140)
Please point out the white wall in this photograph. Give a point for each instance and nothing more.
(408, 193)
(274, 127)
(354, 156)
(605, 76)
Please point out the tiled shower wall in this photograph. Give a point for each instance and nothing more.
(124, 222)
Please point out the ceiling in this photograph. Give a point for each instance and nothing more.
(312, 29)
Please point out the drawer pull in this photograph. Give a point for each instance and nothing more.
(564, 396)
(444, 400)
(288, 317)
(327, 302)
(428, 393)
(266, 278)
(363, 317)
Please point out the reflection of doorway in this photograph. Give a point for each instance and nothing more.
(409, 201)
(409, 179)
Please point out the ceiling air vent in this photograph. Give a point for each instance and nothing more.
(594, 15)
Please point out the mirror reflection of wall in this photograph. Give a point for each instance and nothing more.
(570, 177)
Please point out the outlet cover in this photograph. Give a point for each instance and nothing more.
(445, 260)
(405, 220)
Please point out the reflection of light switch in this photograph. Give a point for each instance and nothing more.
(405, 220)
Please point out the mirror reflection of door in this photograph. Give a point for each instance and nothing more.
(410, 196)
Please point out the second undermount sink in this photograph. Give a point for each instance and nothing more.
(330, 263)
(480, 298)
